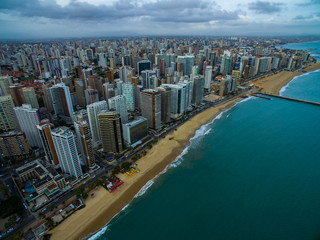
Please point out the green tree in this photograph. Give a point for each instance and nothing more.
(116, 170)
(49, 222)
(17, 236)
(91, 185)
(97, 182)
(126, 165)
(52, 208)
(79, 192)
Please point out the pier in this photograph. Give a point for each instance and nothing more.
(255, 95)
(287, 98)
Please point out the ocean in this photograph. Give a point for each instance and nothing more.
(252, 173)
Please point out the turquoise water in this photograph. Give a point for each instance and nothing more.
(312, 47)
(254, 173)
(305, 87)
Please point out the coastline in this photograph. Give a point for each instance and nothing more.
(273, 83)
(104, 206)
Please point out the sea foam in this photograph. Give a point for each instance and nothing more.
(99, 233)
(284, 88)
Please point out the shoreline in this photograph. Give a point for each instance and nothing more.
(273, 83)
(101, 209)
(94, 217)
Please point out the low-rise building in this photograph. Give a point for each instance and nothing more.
(14, 144)
(39, 184)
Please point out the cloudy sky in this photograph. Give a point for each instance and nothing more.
(94, 18)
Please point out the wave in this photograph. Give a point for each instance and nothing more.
(100, 232)
(284, 88)
(144, 189)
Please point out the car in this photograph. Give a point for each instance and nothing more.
(43, 210)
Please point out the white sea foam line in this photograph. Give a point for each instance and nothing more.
(100, 232)
(284, 88)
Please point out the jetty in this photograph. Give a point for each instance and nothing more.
(288, 98)
(255, 95)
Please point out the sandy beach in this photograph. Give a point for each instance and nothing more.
(104, 205)
(273, 83)
(100, 209)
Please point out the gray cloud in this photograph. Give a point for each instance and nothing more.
(265, 7)
(188, 11)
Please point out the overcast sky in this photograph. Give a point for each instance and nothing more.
(98, 18)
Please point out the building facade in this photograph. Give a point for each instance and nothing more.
(135, 130)
(8, 120)
(28, 119)
(44, 130)
(93, 110)
(111, 132)
(151, 107)
(65, 144)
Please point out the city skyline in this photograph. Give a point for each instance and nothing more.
(97, 18)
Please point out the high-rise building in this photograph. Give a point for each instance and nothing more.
(17, 95)
(146, 79)
(188, 62)
(8, 120)
(102, 60)
(169, 58)
(93, 111)
(65, 144)
(207, 84)
(61, 100)
(80, 93)
(178, 99)
(135, 130)
(28, 119)
(44, 130)
(5, 82)
(128, 92)
(108, 90)
(143, 65)
(84, 142)
(13, 144)
(111, 132)
(119, 104)
(46, 98)
(30, 97)
(187, 86)
(225, 67)
(151, 107)
(165, 103)
(265, 64)
(228, 84)
(91, 95)
(198, 89)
